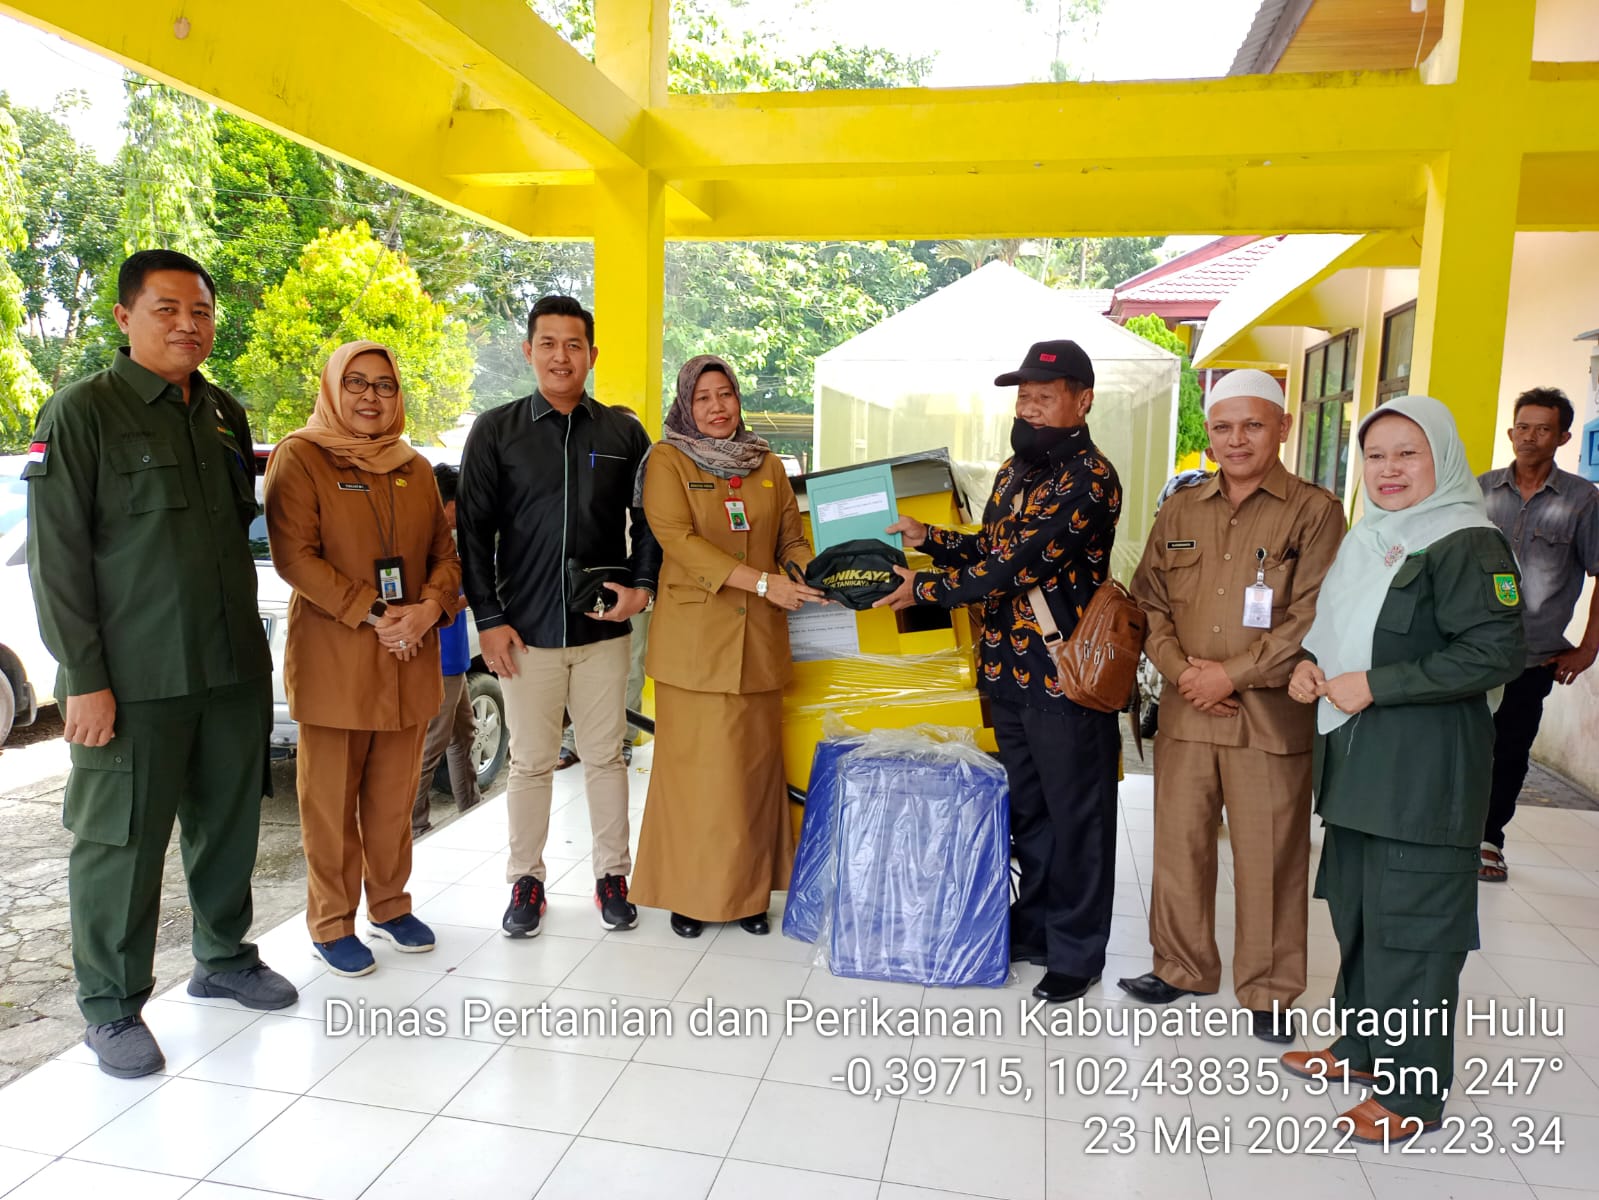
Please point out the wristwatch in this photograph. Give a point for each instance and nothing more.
(760, 586)
(373, 614)
(649, 605)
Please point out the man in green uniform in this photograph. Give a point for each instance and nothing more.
(140, 494)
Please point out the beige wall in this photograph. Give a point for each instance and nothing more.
(1565, 31)
(1554, 295)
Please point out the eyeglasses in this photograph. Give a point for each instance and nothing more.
(357, 384)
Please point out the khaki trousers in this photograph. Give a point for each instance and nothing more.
(356, 788)
(449, 733)
(1267, 798)
(590, 683)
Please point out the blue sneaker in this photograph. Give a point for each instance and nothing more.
(408, 934)
(347, 955)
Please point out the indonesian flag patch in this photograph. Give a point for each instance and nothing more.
(38, 459)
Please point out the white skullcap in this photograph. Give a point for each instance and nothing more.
(1246, 383)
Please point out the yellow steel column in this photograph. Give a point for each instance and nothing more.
(629, 288)
(1469, 236)
(630, 46)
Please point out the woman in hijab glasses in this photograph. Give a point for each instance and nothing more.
(717, 838)
(357, 529)
(1419, 620)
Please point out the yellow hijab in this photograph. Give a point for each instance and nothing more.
(328, 428)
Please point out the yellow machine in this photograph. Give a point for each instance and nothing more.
(898, 669)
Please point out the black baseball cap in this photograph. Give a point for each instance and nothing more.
(1051, 360)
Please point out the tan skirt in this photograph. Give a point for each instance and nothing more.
(716, 839)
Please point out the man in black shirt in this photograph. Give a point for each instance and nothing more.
(546, 494)
(1049, 525)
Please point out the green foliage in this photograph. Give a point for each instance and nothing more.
(705, 56)
(70, 226)
(1191, 435)
(347, 285)
(168, 168)
(21, 388)
(272, 196)
(771, 308)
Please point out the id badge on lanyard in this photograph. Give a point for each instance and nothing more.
(1257, 596)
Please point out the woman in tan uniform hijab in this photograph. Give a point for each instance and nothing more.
(357, 529)
(717, 838)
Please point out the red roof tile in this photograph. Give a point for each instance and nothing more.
(1208, 279)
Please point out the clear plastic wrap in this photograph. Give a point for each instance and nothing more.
(915, 887)
(813, 874)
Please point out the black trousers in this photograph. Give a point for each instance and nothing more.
(1062, 774)
(1515, 728)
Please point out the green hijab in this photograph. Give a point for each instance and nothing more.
(1353, 593)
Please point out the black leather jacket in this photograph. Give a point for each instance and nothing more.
(538, 489)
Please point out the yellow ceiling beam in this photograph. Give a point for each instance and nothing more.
(1252, 119)
(261, 65)
(491, 147)
(501, 50)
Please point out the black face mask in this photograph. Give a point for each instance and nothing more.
(1034, 445)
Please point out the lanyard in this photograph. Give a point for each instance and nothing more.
(386, 537)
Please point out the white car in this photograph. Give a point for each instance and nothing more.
(27, 670)
(490, 746)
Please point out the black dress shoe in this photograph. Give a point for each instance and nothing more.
(1269, 1028)
(757, 924)
(1152, 989)
(1058, 988)
(687, 927)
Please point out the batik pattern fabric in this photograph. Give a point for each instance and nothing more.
(1058, 539)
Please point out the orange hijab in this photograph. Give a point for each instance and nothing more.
(328, 428)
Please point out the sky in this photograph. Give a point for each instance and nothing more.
(1134, 39)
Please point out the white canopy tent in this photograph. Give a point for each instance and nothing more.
(924, 378)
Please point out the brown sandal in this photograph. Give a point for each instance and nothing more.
(1492, 867)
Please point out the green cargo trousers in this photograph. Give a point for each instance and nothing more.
(1405, 916)
(201, 759)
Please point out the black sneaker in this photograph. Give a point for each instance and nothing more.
(610, 897)
(527, 906)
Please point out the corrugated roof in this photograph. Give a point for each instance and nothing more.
(1267, 38)
(1209, 279)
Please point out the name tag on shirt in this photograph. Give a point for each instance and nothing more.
(345, 486)
(1188, 545)
(1257, 606)
(701, 487)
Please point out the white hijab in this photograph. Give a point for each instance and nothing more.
(1353, 593)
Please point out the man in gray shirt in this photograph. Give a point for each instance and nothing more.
(1552, 520)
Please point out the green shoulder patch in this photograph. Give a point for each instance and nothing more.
(1505, 590)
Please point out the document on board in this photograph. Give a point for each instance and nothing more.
(849, 505)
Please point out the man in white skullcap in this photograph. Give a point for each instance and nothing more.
(1229, 580)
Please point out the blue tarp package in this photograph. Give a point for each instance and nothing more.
(813, 874)
(918, 888)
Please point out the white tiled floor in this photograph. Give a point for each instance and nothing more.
(258, 1106)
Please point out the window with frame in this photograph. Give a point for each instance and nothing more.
(1398, 340)
(1327, 413)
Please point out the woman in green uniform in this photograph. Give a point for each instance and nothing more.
(1418, 621)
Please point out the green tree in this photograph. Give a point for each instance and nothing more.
(771, 308)
(168, 171)
(70, 224)
(347, 285)
(272, 196)
(1191, 435)
(21, 388)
